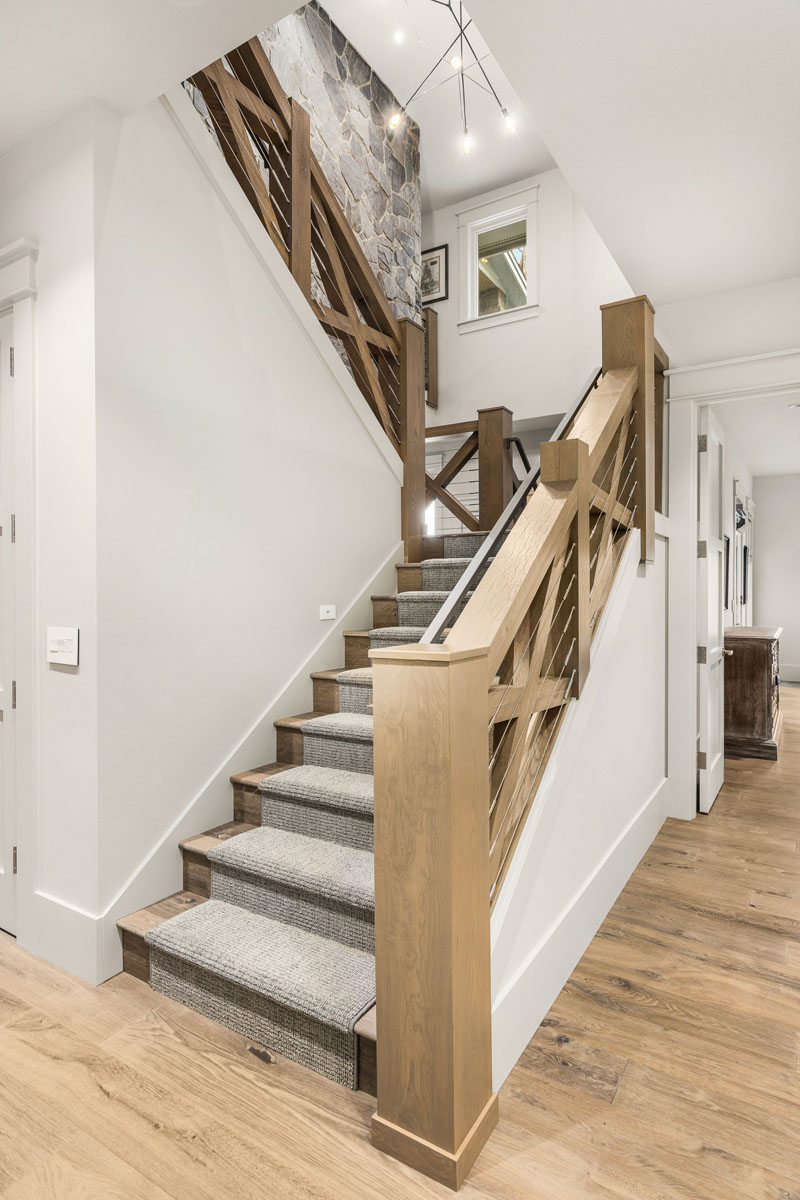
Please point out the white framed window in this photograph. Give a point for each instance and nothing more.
(498, 261)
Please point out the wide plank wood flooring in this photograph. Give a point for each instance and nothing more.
(666, 1069)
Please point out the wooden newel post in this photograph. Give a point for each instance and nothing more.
(563, 466)
(436, 1107)
(412, 436)
(628, 341)
(495, 469)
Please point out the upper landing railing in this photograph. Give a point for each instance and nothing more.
(266, 139)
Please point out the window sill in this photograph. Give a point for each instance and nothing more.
(525, 312)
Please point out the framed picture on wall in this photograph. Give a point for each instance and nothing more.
(434, 281)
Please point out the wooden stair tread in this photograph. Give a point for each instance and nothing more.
(155, 914)
(201, 843)
(252, 778)
(360, 633)
(293, 722)
(334, 673)
(366, 1026)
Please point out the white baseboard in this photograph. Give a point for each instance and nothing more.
(524, 1001)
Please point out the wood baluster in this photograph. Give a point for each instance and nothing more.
(628, 341)
(300, 184)
(412, 436)
(430, 319)
(563, 466)
(436, 1107)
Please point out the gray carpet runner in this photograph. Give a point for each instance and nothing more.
(283, 952)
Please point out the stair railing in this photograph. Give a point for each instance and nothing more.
(464, 729)
(265, 138)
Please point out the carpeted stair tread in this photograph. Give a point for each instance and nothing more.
(325, 787)
(332, 872)
(354, 727)
(395, 635)
(360, 676)
(301, 971)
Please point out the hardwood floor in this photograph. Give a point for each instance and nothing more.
(666, 1069)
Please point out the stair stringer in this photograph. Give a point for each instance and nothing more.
(571, 861)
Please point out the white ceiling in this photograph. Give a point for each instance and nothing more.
(766, 432)
(448, 174)
(677, 125)
(54, 54)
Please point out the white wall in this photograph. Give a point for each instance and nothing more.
(238, 490)
(536, 367)
(776, 564)
(207, 475)
(602, 800)
(47, 195)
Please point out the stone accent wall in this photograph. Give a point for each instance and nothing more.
(373, 169)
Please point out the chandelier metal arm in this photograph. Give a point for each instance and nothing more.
(437, 64)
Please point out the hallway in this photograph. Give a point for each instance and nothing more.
(668, 1067)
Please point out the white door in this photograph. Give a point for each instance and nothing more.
(710, 612)
(8, 914)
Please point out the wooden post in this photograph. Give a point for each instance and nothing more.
(412, 436)
(300, 186)
(660, 365)
(495, 473)
(436, 1107)
(430, 319)
(628, 342)
(563, 466)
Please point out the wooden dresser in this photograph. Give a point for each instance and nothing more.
(752, 701)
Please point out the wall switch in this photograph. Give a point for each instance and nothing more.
(327, 612)
(63, 645)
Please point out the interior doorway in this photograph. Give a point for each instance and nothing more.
(8, 849)
(710, 610)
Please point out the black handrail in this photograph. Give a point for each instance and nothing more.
(514, 441)
(517, 502)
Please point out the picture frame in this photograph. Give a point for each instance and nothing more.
(434, 281)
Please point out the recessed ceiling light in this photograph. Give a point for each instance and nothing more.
(398, 37)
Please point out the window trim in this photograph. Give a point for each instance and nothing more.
(474, 221)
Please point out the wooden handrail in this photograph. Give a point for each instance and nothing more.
(448, 817)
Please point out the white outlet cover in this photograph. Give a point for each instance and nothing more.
(63, 645)
(327, 612)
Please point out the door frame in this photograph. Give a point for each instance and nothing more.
(710, 656)
(18, 296)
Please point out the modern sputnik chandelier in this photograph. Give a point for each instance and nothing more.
(456, 55)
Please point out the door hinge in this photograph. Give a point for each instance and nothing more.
(15, 861)
(11, 361)
(13, 693)
(702, 443)
(702, 549)
(702, 656)
(13, 528)
(701, 760)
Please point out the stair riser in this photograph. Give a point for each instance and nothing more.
(356, 651)
(343, 923)
(323, 1049)
(289, 746)
(196, 873)
(440, 577)
(416, 612)
(332, 825)
(326, 695)
(462, 545)
(246, 804)
(354, 698)
(409, 577)
(384, 612)
(339, 753)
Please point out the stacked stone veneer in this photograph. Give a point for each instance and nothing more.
(372, 168)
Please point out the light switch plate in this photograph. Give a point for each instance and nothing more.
(63, 645)
(327, 612)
